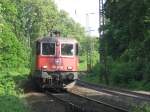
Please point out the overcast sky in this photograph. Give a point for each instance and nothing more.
(78, 9)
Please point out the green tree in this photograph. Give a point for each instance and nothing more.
(127, 35)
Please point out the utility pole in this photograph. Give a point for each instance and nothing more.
(90, 48)
(102, 42)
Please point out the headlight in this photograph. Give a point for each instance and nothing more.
(44, 67)
(57, 62)
(69, 67)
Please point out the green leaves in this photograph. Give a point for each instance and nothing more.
(10, 100)
(22, 21)
(127, 37)
(127, 25)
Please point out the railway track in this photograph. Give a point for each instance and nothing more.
(78, 103)
(122, 98)
(115, 91)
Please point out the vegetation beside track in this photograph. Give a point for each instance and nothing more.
(127, 45)
(142, 108)
(21, 22)
(11, 91)
(127, 42)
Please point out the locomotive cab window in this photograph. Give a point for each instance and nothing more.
(67, 49)
(48, 48)
(37, 48)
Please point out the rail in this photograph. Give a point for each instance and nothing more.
(78, 103)
(115, 91)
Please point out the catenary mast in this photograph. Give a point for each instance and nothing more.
(102, 42)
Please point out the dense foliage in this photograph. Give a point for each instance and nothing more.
(21, 22)
(10, 95)
(127, 45)
(128, 42)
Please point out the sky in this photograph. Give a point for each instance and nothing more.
(83, 11)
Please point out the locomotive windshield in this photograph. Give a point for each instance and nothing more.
(48, 48)
(38, 48)
(67, 49)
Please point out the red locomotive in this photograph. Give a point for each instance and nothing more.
(55, 63)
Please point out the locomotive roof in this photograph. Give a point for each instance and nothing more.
(54, 39)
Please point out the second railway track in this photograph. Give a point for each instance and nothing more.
(78, 103)
(116, 91)
(124, 99)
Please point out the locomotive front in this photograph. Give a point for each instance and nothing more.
(56, 62)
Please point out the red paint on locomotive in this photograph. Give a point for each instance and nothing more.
(66, 63)
(53, 55)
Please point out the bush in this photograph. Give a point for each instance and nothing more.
(10, 93)
(122, 73)
(12, 53)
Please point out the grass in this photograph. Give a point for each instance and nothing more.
(10, 93)
(142, 108)
(92, 78)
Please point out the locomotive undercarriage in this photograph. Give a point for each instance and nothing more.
(55, 80)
